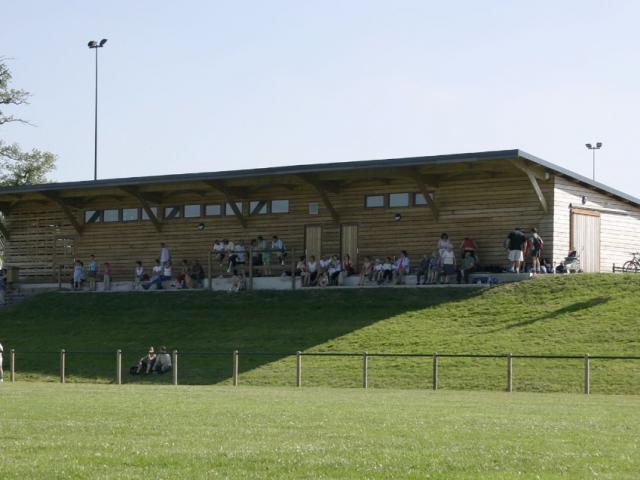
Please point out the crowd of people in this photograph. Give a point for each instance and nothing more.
(443, 265)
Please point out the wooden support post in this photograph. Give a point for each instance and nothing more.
(365, 370)
(174, 367)
(587, 375)
(298, 369)
(509, 373)
(435, 371)
(63, 357)
(250, 286)
(236, 360)
(119, 367)
(293, 270)
(210, 271)
(12, 367)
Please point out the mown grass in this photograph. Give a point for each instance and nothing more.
(576, 314)
(133, 431)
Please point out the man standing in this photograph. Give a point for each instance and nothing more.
(515, 243)
(165, 256)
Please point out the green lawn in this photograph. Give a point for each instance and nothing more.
(133, 431)
(575, 314)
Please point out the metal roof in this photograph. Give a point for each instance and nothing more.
(322, 168)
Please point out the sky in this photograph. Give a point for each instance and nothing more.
(196, 86)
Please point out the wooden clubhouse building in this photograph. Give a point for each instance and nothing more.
(362, 208)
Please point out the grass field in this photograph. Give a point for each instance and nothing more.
(136, 431)
(575, 314)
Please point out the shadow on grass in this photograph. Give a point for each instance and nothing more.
(573, 308)
(91, 327)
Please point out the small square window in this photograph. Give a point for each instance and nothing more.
(419, 199)
(172, 212)
(280, 206)
(130, 214)
(212, 210)
(154, 210)
(92, 216)
(111, 215)
(257, 207)
(192, 211)
(313, 208)
(229, 211)
(374, 201)
(398, 200)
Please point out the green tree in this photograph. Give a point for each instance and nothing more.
(18, 167)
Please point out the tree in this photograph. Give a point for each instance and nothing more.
(18, 167)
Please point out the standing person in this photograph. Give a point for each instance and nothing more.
(139, 275)
(218, 251)
(106, 275)
(536, 250)
(444, 243)
(448, 263)
(515, 243)
(311, 273)
(92, 272)
(1, 371)
(277, 245)
(265, 253)
(165, 255)
(77, 275)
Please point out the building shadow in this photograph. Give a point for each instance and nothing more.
(204, 327)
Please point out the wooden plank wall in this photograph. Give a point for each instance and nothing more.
(483, 208)
(619, 222)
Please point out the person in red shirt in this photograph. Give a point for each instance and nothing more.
(468, 245)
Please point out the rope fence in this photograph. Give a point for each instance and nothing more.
(364, 358)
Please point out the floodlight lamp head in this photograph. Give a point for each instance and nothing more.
(92, 44)
(588, 145)
(599, 145)
(102, 42)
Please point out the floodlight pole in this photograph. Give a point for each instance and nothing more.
(593, 149)
(96, 45)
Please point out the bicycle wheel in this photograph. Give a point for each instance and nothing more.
(631, 267)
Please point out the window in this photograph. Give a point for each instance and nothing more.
(229, 211)
(279, 206)
(313, 208)
(374, 201)
(154, 210)
(192, 211)
(171, 212)
(398, 200)
(212, 210)
(257, 207)
(130, 214)
(111, 215)
(418, 198)
(92, 216)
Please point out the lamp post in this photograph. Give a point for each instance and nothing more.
(593, 150)
(96, 45)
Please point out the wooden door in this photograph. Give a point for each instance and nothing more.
(349, 242)
(64, 256)
(585, 239)
(313, 241)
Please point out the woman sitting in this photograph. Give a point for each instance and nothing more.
(366, 273)
(147, 362)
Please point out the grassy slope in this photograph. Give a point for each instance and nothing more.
(560, 315)
(53, 431)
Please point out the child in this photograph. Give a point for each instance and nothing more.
(139, 275)
(92, 272)
(77, 275)
(106, 274)
(387, 270)
(434, 267)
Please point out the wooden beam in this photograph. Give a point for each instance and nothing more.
(319, 188)
(533, 178)
(258, 207)
(145, 205)
(229, 197)
(422, 188)
(66, 208)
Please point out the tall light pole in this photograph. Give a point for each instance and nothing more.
(96, 45)
(593, 150)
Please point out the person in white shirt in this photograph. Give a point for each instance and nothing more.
(448, 259)
(311, 273)
(401, 267)
(387, 270)
(238, 256)
(277, 246)
(156, 276)
(166, 272)
(139, 275)
(218, 250)
(377, 271)
(165, 256)
(334, 270)
(1, 371)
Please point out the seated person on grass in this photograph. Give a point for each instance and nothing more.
(145, 365)
(163, 362)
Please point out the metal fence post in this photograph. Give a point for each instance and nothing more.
(509, 373)
(435, 371)
(293, 269)
(12, 367)
(365, 370)
(119, 367)
(209, 272)
(587, 375)
(236, 360)
(298, 369)
(63, 355)
(174, 367)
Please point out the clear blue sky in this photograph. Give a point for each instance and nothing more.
(205, 86)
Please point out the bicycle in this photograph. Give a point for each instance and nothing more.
(633, 265)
